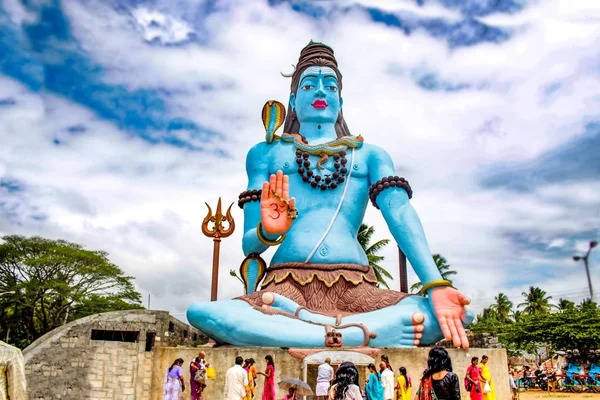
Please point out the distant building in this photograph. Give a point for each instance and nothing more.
(104, 356)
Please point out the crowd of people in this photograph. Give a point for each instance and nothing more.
(437, 382)
(478, 380)
(240, 380)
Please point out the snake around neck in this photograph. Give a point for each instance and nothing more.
(336, 148)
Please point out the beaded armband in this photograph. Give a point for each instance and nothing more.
(385, 183)
(248, 196)
(435, 284)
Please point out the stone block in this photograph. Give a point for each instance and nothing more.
(99, 394)
(128, 391)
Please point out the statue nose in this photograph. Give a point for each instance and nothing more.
(320, 92)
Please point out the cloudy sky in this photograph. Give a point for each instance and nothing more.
(119, 119)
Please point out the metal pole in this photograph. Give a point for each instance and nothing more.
(215, 269)
(403, 272)
(148, 301)
(593, 244)
(587, 271)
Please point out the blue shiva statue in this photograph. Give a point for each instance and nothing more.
(319, 290)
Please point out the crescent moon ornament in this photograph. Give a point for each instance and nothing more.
(289, 75)
(273, 115)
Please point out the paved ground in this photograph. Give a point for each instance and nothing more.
(536, 394)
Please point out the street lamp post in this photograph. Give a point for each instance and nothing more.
(593, 244)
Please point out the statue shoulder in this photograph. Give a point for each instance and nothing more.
(258, 156)
(375, 153)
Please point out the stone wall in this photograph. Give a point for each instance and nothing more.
(413, 359)
(477, 340)
(71, 362)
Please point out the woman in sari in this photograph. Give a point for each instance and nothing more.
(251, 370)
(174, 384)
(486, 377)
(269, 374)
(438, 381)
(197, 385)
(403, 385)
(473, 380)
(374, 389)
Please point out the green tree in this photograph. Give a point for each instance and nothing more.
(517, 315)
(564, 304)
(587, 304)
(502, 307)
(52, 282)
(365, 233)
(536, 301)
(442, 265)
(489, 321)
(576, 328)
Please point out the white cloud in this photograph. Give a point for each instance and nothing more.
(165, 28)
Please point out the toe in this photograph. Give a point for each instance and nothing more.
(418, 318)
(268, 299)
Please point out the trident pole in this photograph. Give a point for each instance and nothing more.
(217, 232)
(215, 269)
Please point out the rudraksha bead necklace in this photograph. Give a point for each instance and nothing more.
(326, 181)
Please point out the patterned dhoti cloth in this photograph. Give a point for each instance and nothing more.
(330, 289)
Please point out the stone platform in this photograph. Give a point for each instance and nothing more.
(302, 363)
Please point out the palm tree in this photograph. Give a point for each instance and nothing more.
(365, 232)
(442, 265)
(564, 304)
(517, 315)
(536, 301)
(587, 304)
(503, 307)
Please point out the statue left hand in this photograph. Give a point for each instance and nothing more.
(448, 304)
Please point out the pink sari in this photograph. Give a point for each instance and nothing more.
(475, 373)
(269, 388)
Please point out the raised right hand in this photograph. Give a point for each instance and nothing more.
(273, 207)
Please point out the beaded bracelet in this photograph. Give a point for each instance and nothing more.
(385, 183)
(266, 241)
(435, 284)
(248, 196)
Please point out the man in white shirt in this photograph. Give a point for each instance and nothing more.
(387, 381)
(236, 381)
(324, 379)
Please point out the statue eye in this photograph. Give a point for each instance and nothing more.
(332, 88)
(307, 87)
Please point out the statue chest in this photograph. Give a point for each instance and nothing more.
(284, 158)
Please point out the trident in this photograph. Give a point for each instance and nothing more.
(217, 232)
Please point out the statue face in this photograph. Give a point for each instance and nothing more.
(333, 338)
(317, 98)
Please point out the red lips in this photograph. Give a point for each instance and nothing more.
(319, 104)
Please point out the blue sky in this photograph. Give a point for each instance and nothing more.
(118, 119)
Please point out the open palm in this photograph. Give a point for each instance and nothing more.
(275, 204)
(449, 305)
